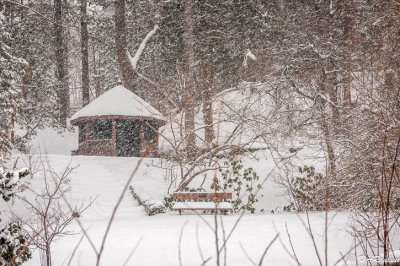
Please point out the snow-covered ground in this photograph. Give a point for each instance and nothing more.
(102, 179)
(160, 234)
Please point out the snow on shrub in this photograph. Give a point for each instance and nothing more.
(13, 247)
(151, 206)
(9, 181)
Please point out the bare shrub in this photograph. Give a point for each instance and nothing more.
(375, 227)
(49, 217)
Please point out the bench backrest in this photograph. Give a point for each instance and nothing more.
(201, 196)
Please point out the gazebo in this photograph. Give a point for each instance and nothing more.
(118, 123)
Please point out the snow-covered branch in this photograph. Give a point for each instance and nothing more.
(134, 60)
(248, 55)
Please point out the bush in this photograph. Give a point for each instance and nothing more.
(152, 207)
(168, 202)
(307, 191)
(9, 182)
(244, 182)
(13, 245)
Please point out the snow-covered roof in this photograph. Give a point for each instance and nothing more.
(118, 101)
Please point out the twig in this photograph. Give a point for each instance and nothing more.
(247, 255)
(75, 249)
(223, 237)
(180, 244)
(198, 242)
(133, 251)
(310, 233)
(267, 248)
(291, 245)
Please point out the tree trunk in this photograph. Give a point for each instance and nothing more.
(208, 116)
(48, 254)
(329, 150)
(189, 88)
(208, 84)
(331, 87)
(97, 80)
(347, 89)
(85, 54)
(346, 111)
(350, 41)
(128, 73)
(62, 88)
(327, 123)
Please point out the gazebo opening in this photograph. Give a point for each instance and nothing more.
(101, 129)
(128, 138)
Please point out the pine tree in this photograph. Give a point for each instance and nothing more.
(27, 92)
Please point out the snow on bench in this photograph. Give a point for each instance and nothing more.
(201, 201)
(201, 205)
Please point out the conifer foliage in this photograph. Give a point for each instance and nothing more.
(14, 248)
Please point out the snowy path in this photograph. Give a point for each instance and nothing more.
(102, 179)
(97, 179)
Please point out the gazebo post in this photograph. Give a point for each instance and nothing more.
(114, 136)
(83, 151)
(142, 147)
(87, 131)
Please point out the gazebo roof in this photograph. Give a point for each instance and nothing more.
(118, 102)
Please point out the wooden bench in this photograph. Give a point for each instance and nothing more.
(202, 201)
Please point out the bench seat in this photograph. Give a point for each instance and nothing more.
(201, 205)
(202, 201)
